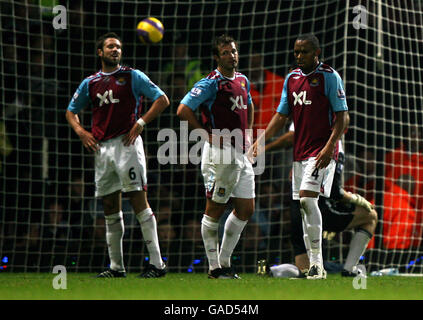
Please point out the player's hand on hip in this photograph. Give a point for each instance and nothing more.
(89, 142)
(252, 153)
(129, 138)
(324, 157)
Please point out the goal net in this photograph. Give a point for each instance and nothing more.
(48, 213)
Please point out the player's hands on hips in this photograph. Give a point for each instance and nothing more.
(88, 141)
(324, 157)
(129, 138)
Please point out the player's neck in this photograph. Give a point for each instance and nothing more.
(227, 73)
(315, 65)
(109, 69)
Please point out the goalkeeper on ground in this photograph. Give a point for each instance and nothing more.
(342, 211)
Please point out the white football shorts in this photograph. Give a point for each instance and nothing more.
(118, 167)
(227, 174)
(307, 177)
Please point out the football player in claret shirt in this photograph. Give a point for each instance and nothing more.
(114, 95)
(225, 101)
(342, 211)
(313, 95)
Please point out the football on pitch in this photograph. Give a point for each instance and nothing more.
(150, 30)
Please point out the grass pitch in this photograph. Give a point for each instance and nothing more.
(176, 286)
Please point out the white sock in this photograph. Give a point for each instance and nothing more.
(285, 270)
(209, 232)
(313, 220)
(231, 235)
(114, 235)
(358, 246)
(305, 235)
(148, 224)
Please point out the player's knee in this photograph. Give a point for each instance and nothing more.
(110, 207)
(307, 203)
(370, 221)
(244, 214)
(303, 203)
(138, 200)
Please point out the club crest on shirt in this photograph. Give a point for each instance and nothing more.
(121, 81)
(221, 192)
(314, 82)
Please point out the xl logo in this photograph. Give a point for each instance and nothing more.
(103, 98)
(238, 102)
(297, 98)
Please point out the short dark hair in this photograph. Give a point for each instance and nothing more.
(222, 40)
(101, 39)
(311, 38)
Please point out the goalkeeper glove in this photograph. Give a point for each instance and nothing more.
(360, 201)
(328, 235)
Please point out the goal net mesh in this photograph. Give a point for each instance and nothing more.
(48, 213)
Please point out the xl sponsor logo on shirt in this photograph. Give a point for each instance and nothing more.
(237, 102)
(107, 97)
(301, 98)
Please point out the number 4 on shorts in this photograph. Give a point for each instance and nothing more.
(315, 174)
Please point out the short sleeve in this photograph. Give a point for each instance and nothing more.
(283, 105)
(143, 86)
(202, 91)
(80, 98)
(334, 90)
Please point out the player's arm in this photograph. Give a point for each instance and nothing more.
(79, 100)
(325, 155)
(334, 91)
(250, 109)
(285, 141)
(158, 106)
(249, 133)
(87, 139)
(250, 106)
(202, 91)
(275, 125)
(185, 113)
